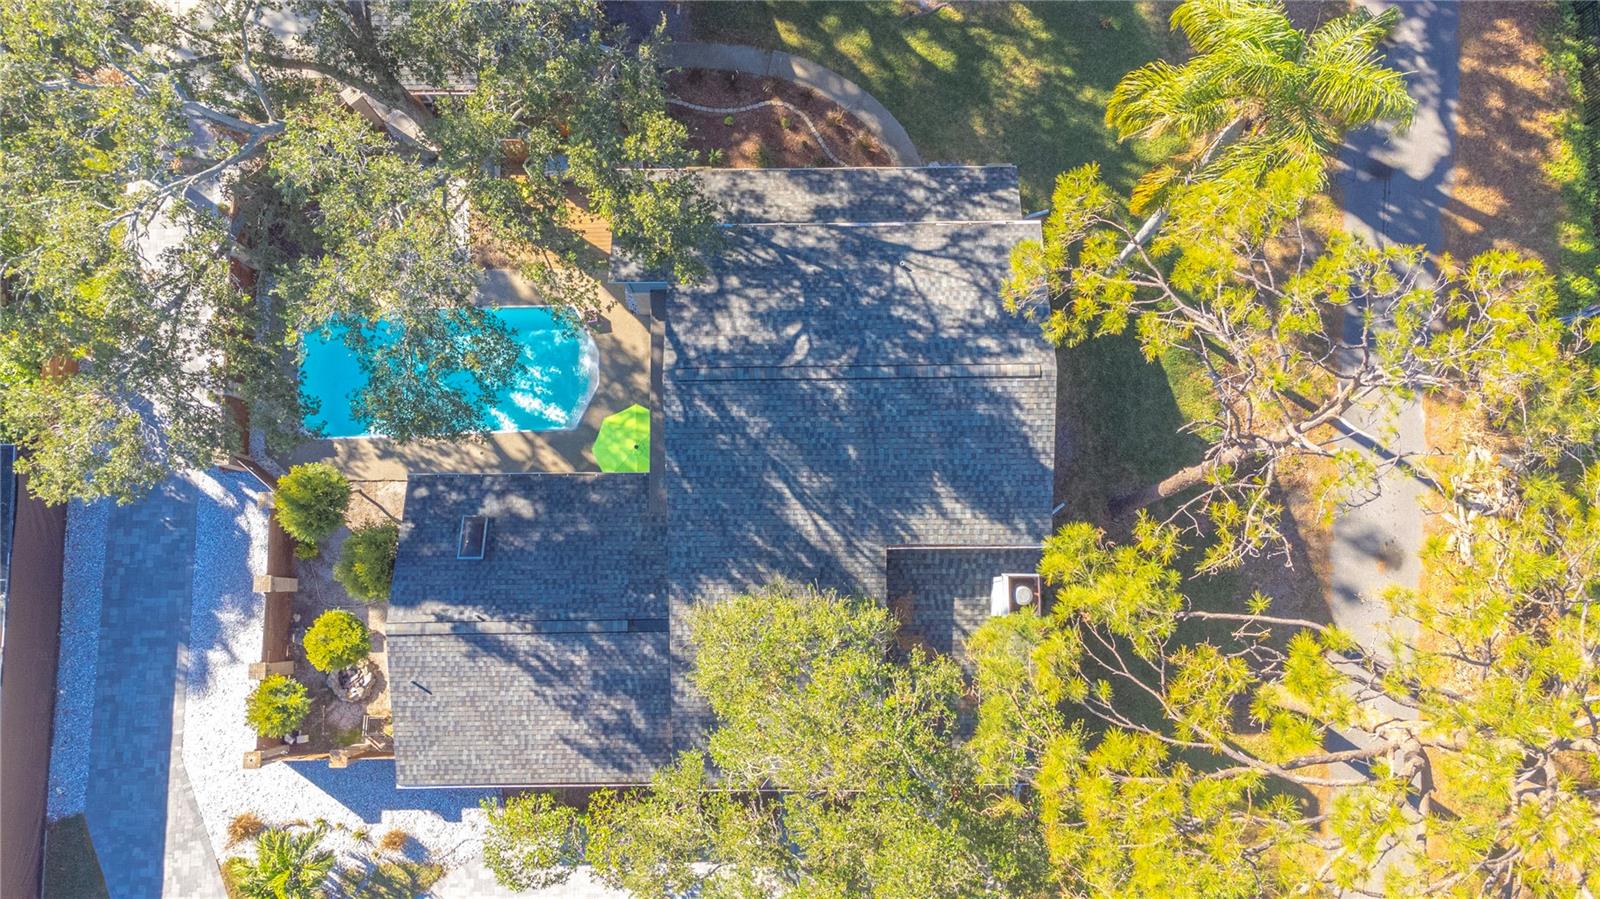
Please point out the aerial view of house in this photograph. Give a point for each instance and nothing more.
(894, 448)
(840, 401)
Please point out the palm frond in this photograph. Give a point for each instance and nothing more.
(1214, 25)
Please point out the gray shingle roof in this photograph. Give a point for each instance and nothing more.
(829, 392)
(948, 193)
(941, 594)
(529, 709)
(545, 662)
(560, 546)
(816, 412)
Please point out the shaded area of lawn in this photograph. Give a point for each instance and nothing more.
(71, 868)
(1121, 419)
(979, 83)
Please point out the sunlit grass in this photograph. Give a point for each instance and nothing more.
(985, 83)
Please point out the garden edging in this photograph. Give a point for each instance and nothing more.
(778, 64)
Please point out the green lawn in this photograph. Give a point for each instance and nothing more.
(988, 83)
(71, 869)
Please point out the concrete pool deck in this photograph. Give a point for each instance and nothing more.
(622, 342)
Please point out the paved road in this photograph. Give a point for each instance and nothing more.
(1394, 189)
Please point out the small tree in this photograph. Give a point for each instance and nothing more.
(287, 866)
(532, 842)
(337, 640)
(366, 564)
(311, 501)
(278, 706)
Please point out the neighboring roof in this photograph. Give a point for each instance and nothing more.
(829, 392)
(941, 193)
(531, 709)
(941, 594)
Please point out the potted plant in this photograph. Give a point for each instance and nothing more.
(277, 707)
(338, 644)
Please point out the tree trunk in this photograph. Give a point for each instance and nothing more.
(1173, 484)
(1153, 223)
(1127, 503)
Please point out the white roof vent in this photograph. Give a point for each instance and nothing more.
(1014, 592)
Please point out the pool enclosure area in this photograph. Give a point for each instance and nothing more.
(556, 381)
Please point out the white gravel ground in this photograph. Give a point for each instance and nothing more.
(82, 573)
(225, 636)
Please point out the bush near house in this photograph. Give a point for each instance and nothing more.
(337, 640)
(532, 842)
(366, 564)
(278, 706)
(311, 501)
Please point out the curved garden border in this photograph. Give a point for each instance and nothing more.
(783, 104)
(804, 72)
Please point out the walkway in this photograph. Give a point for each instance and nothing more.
(778, 64)
(141, 812)
(1394, 190)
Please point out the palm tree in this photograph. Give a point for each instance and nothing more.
(287, 866)
(1258, 95)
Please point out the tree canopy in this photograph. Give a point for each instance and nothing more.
(833, 769)
(1258, 95)
(352, 155)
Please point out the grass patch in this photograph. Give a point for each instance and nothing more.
(1125, 416)
(71, 868)
(1025, 83)
(1575, 167)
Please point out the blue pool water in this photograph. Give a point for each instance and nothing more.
(549, 393)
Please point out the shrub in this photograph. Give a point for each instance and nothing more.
(785, 122)
(366, 564)
(287, 866)
(337, 640)
(727, 120)
(311, 500)
(277, 706)
(763, 157)
(305, 552)
(531, 842)
(394, 841)
(244, 826)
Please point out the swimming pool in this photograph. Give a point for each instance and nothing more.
(549, 393)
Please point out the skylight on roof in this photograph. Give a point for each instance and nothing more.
(474, 536)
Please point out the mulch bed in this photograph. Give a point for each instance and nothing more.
(770, 136)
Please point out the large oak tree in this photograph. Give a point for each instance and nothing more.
(348, 151)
